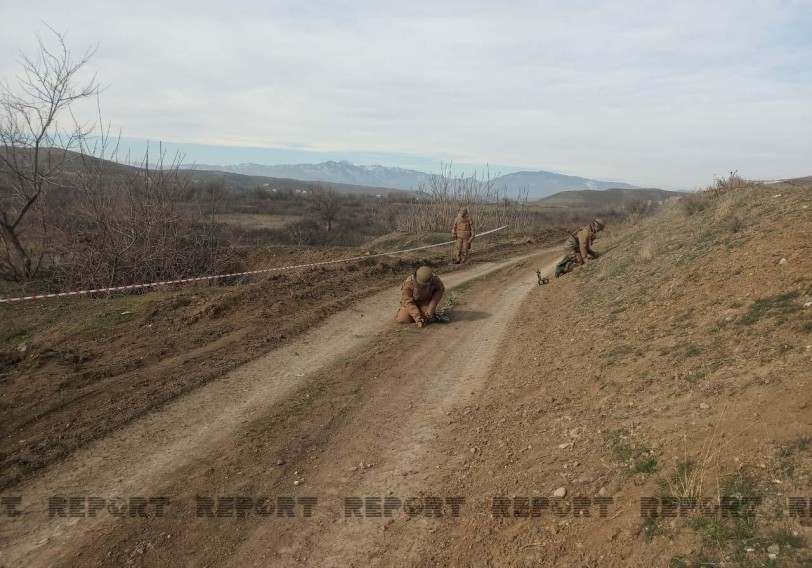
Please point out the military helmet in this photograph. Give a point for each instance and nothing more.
(423, 275)
(599, 222)
(463, 211)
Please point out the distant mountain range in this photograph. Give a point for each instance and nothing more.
(536, 184)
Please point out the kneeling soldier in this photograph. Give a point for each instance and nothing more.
(419, 296)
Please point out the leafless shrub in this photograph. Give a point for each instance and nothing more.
(734, 181)
(634, 218)
(128, 228)
(439, 200)
(694, 203)
(735, 223)
(33, 148)
(302, 233)
(326, 203)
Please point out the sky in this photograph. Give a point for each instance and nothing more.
(655, 93)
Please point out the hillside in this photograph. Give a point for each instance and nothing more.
(542, 184)
(612, 197)
(342, 172)
(243, 182)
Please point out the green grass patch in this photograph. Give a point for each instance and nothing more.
(692, 351)
(635, 458)
(13, 331)
(787, 455)
(778, 305)
(651, 529)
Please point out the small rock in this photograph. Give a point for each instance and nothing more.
(783, 261)
(280, 462)
(354, 468)
(773, 549)
(297, 483)
(473, 450)
(553, 529)
(560, 492)
(22, 348)
(704, 406)
(603, 492)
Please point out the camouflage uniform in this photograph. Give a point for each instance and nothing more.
(463, 231)
(419, 300)
(581, 244)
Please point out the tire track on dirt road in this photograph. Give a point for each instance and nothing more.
(399, 427)
(183, 434)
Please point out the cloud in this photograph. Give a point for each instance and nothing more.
(657, 93)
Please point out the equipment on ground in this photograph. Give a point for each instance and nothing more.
(443, 315)
(542, 279)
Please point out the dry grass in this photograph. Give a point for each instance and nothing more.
(647, 251)
(724, 207)
(695, 203)
(689, 479)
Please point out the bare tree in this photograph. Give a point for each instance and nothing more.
(326, 203)
(34, 147)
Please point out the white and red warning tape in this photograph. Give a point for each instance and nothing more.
(218, 276)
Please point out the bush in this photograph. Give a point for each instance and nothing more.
(735, 223)
(695, 203)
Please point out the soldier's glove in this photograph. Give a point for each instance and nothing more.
(430, 318)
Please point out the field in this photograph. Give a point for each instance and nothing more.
(676, 366)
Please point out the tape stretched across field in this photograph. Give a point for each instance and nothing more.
(218, 276)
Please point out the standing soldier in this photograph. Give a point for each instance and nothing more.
(463, 231)
(581, 246)
(419, 296)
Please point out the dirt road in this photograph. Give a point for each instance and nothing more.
(353, 408)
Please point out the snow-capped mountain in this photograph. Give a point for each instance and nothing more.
(333, 172)
(536, 184)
